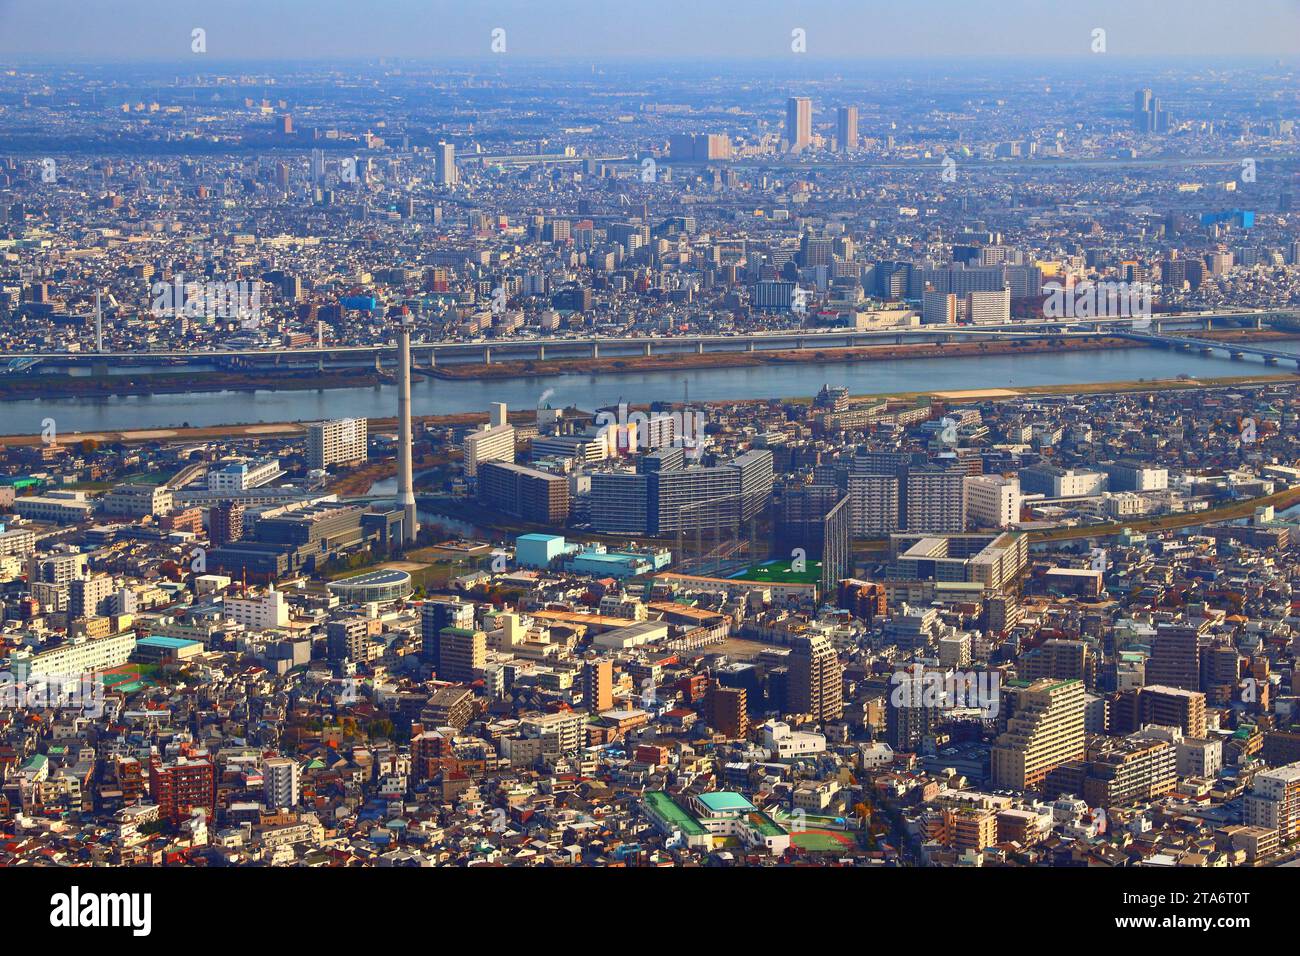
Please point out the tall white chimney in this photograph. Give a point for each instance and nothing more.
(405, 479)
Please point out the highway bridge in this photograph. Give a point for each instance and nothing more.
(1236, 350)
(487, 351)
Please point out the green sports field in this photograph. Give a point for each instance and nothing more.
(780, 572)
(822, 841)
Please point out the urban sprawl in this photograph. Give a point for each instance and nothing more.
(1008, 626)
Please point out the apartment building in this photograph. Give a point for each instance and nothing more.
(76, 656)
(992, 501)
(338, 441)
(1044, 731)
(935, 500)
(280, 782)
(816, 685)
(462, 654)
(137, 501)
(1274, 801)
(527, 492)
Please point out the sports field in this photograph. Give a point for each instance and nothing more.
(780, 572)
(128, 678)
(821, 841)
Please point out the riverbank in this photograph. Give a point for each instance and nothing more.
(524, 416)
(20, 387)
(701, 361)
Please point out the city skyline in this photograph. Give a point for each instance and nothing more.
(154, 30)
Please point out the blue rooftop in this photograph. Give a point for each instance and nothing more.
(170, 643)
(725, 801)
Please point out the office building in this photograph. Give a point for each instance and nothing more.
(1136, 476)
(137, 501)
(846, 128)
(445, 172)
(242, 475)
(1149, 116)
(798, 124)
(699, 147)
(259, 611)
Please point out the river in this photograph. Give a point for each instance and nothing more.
(437, 396)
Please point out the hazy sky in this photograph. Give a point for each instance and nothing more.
(856, 29)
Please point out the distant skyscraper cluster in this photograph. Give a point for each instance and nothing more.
(1148, 114)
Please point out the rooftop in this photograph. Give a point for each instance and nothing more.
(725, 801)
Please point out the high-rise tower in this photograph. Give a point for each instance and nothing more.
(798, 123)
(405, 480)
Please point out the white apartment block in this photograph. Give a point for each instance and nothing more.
(280, 785)
(992, 501)
(137, 501)
(75, 657)
(266, 610)
(988, 308)
(784, 743)
(560, 733)
(58, 507)
(242, 475)
(489, 443)
(17, 541)
(938, 308)
(338, 440)
(873, 505)
(1274, 801)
